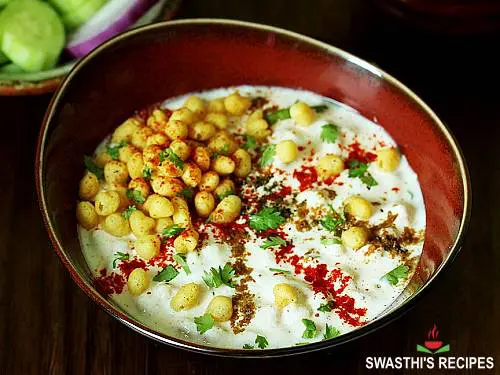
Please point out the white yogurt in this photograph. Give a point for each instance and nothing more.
(362, 270)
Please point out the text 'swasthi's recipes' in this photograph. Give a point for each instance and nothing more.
(251, 217)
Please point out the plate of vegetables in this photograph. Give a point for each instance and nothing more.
(40, 41)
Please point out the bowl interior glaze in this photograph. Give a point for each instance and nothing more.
(159, 61)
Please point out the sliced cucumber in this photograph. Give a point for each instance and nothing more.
(3, 58)
(32, 34)
(11, 68)
(76, 12)
(72, 6)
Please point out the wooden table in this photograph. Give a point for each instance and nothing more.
(48, 326)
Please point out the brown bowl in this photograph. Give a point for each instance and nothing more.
(155, 62)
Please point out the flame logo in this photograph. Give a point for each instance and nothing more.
(433, 345)
(433, 334)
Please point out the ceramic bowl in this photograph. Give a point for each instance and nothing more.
(150, 64)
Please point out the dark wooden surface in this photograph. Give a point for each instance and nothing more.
(48, 326)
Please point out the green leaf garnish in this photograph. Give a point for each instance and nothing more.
(277, 270)
(273, 241)
(330, 332)
(92, 167)
(120, 256)
(167, 274)
(181, 259)
(114, 151)
(136, 196)
(186, 193)
(331, 241)
(319, 108)
(146, 173)
(223, 151)
(261, 342)
(247, 346)
(173, 231)
(204, 323)
(359, 169)
(329, 133)
(326, 307)
(225, 194)
(126, 214)
(170, 155)
(400, 272)
(250, 142)
(267, 218)
(331, 223)
(310, 331)
(274, 116)
(368, 180)
(267, 155)
(284, 113)
(218, 276)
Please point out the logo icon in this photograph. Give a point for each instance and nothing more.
(433, 345)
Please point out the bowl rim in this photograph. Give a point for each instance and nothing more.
(244, 353)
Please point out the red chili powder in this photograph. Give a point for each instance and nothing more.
(128, 266)
(306, 177)
(329, 283)
(109, 284)
(287, 190)
(357, 153)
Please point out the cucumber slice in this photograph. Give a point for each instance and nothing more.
(70, 6)
(3, 58)
(11, 68)
(32, 34)
(77, 16)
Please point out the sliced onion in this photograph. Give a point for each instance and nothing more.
(113, 18)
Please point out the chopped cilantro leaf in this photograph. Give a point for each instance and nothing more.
(273, 241)
(275, 116)
(247, 346)
(225, 194)
(331, 223)
(170, 155)
(277, 270)
(92, 167)
(359, 169)
(326, 307)
(218, 276)
(329, 133)
(310, 331)
(186, 193)
(204, 323)
(136, 196)
(173, 230)
(261, 342)
(223, 151)
(368, 180)
(114, 151)
(250, 142)
(330, 332)
(146, 173)
(267, 218)
(267, 155)
(167, 274)
(120, 256)
(400, 272)
(181, 259)
(331, 241)
(126, 214)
